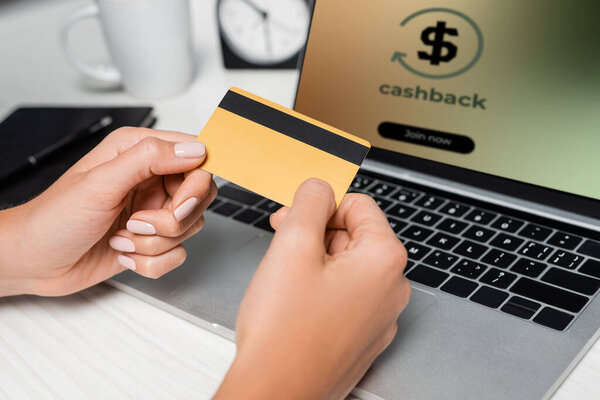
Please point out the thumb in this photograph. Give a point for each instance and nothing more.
(150, 156)
(306, 222)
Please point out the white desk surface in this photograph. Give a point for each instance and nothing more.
(103, 343)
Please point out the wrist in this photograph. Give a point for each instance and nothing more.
(13, 279)
(266, 376)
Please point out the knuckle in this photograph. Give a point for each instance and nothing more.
(389, 335)
(152, 246)
(198, 225)
(121, 132)
(392, 266)
(175, 229)
(149, 146)
(213, 191)
(399, 254)
(181, 256)
(406, 290)
(151, 268)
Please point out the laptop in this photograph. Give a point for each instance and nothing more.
(484, 120)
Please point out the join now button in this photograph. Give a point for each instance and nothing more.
(427, 137)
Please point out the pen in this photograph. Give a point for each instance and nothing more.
(34, 159)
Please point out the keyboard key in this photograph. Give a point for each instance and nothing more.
(498, 258)
(590, 248)
(381, 202)
(401, 211)
(591, 267)
(227, 209)
(430, 202)
(536, 250)
(564, 240)
(440, 259)
(409, 265)
(427, 276)
(520, 307)
(489, 297)
(443, 241)
(575, 282)
(459, 287)
(269, 206)
(535, 232)
(565, 259)
(452, 226)
(382, 189)
(498, 278)
(426, 218)
(361, 182)
(480, 216)
(406, 195)
(416, 251)
(553, 318)
(248, 216)
(548, 294)
(480, 234)
(264, 224)
(214, 204)
(529, 268)
(469, 269)
(470, 249)
(396, 224)
(507, 242)
(238, 194)
(417, 233)
(455, 209)
(507, 224)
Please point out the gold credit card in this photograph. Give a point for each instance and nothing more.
(271, 150)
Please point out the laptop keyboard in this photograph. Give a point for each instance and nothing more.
(532, 268)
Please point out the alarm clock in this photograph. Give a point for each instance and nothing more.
(263, 33)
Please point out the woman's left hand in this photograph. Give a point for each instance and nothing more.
(129, 203)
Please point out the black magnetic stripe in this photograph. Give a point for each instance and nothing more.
(295, 128)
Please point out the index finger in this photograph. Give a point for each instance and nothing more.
(122, 139)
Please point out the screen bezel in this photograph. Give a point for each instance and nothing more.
(539, 194)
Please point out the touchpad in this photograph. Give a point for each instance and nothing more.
(420, 301)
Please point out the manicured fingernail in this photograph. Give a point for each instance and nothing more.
(185, 209)
(126, 262)
(190, 149)
(121, 243)
(140, 227)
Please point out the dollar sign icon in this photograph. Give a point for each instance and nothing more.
(438, 43)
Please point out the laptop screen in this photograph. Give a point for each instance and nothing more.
(509, 88)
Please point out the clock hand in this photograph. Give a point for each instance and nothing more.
(283, 27)
(268, 39)
(256, 8)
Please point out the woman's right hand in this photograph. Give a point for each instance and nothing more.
(323, 303)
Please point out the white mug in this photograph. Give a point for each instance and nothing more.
(149, 41)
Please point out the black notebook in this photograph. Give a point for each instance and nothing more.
(29, 130)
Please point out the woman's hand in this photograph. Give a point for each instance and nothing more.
(323, 303)
(129, 203)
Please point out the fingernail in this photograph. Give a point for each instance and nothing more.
(126, 262)
(185, 209)
(121, 243)
(190, 149)
(140, 227)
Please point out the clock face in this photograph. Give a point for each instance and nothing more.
(264, 31)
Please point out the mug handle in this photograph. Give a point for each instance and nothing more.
(103, 73)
